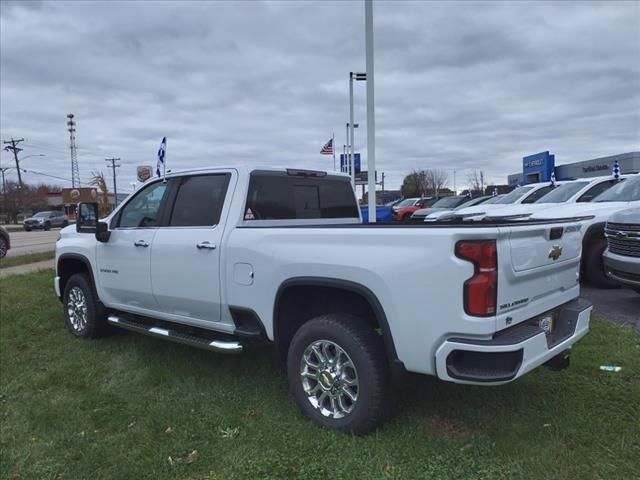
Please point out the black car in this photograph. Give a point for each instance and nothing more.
(5, 242)
(46, 220)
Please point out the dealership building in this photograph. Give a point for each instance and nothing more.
(538, 168)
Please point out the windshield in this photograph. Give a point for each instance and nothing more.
(627, 191)
(562, 193)
(475, 201)
(514, 196)
(406, 202)
(495, 199)
(42, 214)
(447, 202)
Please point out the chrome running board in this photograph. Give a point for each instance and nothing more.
(221, 346)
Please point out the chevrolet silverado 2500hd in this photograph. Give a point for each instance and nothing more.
(217, 257)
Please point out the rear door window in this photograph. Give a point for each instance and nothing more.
(596, 190)
(537, 195)
(278, 196)
(199, 200)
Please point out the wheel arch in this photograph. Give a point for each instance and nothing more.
(283, 331)
(69, 264)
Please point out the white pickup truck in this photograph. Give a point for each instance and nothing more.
(217, 258)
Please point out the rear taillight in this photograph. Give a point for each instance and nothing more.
(481, 290)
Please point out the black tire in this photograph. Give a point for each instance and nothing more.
(65, 224)
(593, 265)
(47, 226)
(365, 348)
(4, 247)
(26, 229)
(95, 324)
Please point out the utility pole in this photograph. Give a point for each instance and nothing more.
(115, 187)
(382, 183)
(12, 145)
(4, 183)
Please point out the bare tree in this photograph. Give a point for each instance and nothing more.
(414, 184)
(476, 180)
(97, 180)
(436, 180)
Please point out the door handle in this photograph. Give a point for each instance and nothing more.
(141, 243)
(205, 245)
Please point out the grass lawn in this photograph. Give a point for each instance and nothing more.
(120, 407)
(28, 258)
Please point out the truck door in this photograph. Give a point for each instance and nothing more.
(124, 262)
(185, 258)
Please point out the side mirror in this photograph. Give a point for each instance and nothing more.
(102, 232)
(87, 218)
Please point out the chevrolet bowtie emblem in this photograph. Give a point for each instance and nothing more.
(555, 252)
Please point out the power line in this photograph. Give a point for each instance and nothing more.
(115, 187)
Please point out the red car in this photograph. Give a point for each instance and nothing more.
(405, 212)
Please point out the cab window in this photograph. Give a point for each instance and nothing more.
(535, 196)
(142, 210)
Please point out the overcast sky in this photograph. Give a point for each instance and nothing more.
(458, 85)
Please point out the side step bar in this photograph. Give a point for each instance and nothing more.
(221, 346)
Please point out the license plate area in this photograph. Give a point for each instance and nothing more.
(557, 325)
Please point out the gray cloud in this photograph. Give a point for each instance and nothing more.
(458, 84)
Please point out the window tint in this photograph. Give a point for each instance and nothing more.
(537, 194)
(593, 192)
(199, 200)
(142, 210)
(627, 191)
(277, 196)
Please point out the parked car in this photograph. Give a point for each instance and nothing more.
(219, 257)
(576, 191)
(444, 205)
(5, 242)
(520, 195)
(46, 220)
(624, 195)
(404, 213)
(622, 255)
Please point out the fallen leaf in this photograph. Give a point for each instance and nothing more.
(82, 434)
(171, 461)
(546, 425)
(252, 414)
(387, 469)
(131, 424)
(192, 457)
(169, 430)
(229, 432)
(15, 476)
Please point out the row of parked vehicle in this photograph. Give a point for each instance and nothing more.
(597, 198)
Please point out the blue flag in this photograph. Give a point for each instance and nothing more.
(553, 179)
(615, 171)
(161, 153)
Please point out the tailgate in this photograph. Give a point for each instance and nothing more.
(540, 245)
(538, 269)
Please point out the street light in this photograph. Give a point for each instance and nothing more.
(358, 77)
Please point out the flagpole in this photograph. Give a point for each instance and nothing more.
(333, 148)
(164, 164)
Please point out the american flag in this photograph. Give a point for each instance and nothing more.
(328, 148)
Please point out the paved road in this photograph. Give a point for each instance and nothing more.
(32, 242)
(621, 306)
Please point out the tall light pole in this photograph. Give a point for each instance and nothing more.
(371, 125)
(359, 77)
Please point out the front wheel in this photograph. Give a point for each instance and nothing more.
(47, 226)
(594, 265)
(83, 312)
(3, 247)
(338, 373)
(65, 224)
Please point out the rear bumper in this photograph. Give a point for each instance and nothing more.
(514, 351)
(622, 268)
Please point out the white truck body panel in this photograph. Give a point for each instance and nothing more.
(413, 273)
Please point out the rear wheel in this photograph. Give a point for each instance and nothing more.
(65, 223)
(594, 265)
(27, 229)
(3, 247)
(47, 226)
(83, 312)
(338, 373)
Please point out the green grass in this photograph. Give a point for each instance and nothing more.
(79, 409)
(24, 259)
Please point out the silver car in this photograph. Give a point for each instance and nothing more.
(46, 220)
(622, 256)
